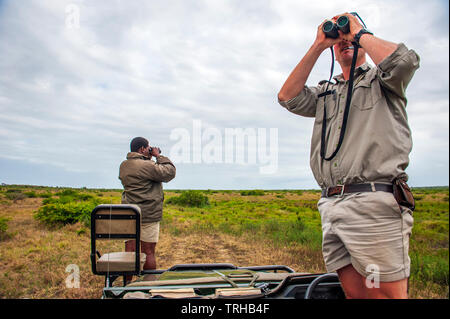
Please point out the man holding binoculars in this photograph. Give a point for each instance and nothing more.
(359, 152)
(142, 182)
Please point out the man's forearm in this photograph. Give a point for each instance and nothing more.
(378, 49)
(298, 77)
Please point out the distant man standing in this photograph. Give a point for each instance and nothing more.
(142, 179)
(365, 230)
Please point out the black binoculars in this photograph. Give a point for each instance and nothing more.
(331, 29)
(151, 149)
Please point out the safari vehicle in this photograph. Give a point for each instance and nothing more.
(194, 281)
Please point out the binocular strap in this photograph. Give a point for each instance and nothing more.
(346, 111)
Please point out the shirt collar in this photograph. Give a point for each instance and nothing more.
(136, 155)
(359, 70)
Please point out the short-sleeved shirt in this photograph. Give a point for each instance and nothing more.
(377, 139)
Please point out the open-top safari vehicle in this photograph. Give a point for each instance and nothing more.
(194, 281)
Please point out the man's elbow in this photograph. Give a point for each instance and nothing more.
(170, 175)
(282, 96)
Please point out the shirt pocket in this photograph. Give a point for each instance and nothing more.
(366, 94)
(331, 106)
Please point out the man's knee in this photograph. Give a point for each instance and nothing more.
(148, 248)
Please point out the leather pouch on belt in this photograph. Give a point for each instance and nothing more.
(403, 194)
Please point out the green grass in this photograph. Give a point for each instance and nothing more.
(282, 220)
(430, 238)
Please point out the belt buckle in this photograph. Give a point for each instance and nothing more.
(342, 190)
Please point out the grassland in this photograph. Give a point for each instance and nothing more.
(43, 230)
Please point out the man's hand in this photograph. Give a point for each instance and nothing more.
(155, 152)
(322, 42)
(355, 27)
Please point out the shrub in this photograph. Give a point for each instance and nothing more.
(190, 198)
(15, 195)
(46, 195)
(13, 190)
(31, 194)
(66, 213)
(253, 192)
(68, 196)
(67, 192)
(71, 207)
(3, 227)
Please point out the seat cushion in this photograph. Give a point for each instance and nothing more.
(119, 261)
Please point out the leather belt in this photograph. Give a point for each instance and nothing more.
(356, 188)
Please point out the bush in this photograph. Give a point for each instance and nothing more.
(68, 196)
(190, 198)
(71, 207)
(15, 195)
(3, 227)
(66, 213)
(253, 192)
(30, 194)
(46, 195)
(67, 192)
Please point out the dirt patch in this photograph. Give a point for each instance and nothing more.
(223, 248)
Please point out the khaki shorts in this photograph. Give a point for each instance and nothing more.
(150, 232)
(368, 230)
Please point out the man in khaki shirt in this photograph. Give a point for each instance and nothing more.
(365, 232)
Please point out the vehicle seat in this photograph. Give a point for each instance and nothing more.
(112, 222)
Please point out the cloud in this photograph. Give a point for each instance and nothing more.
(72, 96)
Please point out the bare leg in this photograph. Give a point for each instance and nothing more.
(149, 250)
(150, 261)
(130, 246)
(390, 290)
(354, 285)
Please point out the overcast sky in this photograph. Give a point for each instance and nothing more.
(79, 79)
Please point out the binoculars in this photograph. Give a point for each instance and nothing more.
(331, 29)
(151, 149)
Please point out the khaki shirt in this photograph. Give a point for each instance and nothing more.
(142, 182)
(377, 139)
